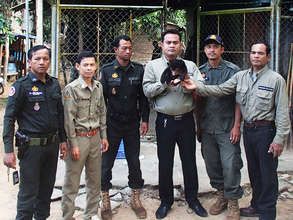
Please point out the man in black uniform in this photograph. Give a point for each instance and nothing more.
(126, 105)
(35, 102)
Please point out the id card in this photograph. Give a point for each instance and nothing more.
(15, 177)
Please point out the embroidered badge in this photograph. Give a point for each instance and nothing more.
(11, 91)
(35, 89)
(100, 76)
(114, 75)
(204, 76)
(113, 91)
(66, 94)
(36, 106)
(266, 88)
(213, 37)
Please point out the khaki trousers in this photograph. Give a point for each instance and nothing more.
(90, 158)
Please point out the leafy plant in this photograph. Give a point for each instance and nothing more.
(5, 21)
(151, 23)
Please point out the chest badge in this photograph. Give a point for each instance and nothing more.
(36, 106)
(204, 76)
(114, 75)
(35, 89)
(114, 91)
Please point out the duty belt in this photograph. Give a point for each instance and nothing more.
(87, 133)
(254, 124)
(42, 141)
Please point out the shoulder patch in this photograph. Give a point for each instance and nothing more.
(12, 91)
(66, 94)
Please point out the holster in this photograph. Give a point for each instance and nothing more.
(22, 143)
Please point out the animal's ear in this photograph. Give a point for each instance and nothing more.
(166, 76)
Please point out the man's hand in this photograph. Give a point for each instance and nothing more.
(63, 150)
(235, 135)
(144, 128)
(188, 84)
(105, 145)
(276, 149)
(75, 153)
(9, 160)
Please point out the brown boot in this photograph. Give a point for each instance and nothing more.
(106, 212)
(136, 204)
(233, 210)
(220, 205)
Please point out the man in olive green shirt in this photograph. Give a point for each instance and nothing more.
(219, 130)
(262, 97)
(85, 125)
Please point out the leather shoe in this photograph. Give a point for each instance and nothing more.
(162, 211)
(198, 209)
(249, 212)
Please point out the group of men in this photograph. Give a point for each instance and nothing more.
(94, 116)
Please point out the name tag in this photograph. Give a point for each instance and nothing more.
(33, 93)
(266, 88)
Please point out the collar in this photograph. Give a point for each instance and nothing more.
(165, 61)
(259, 73)
(118, 66)
(34, 78)
(220, 66)
(83, 83)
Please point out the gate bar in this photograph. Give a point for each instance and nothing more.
(107, 6)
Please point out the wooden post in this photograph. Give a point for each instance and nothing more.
(6, 59)
(1, 48)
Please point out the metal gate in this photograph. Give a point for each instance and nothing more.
(94, 28)
(238, 28)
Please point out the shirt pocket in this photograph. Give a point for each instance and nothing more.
(114, 87)
(55, 98)
(241, 95)
(264, 100)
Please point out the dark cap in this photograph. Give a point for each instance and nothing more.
(213, 37)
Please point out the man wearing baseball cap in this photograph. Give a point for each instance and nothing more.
(219, 131)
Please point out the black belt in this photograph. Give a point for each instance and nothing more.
(254, 124)
(176, 117)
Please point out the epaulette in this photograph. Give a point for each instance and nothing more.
(107, 65)
(136, 63)
(23, 78)
(203, 66)
(231, 65)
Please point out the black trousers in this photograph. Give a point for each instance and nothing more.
(262, 169)
(169, 132)
(37, 179)
(129, 132)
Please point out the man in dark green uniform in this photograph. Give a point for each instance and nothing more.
(219, 129)
(35, 103)
(126, 106)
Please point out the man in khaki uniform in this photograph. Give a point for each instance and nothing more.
(262, 97)
(85, 125)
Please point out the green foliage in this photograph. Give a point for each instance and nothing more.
(5, 21)
(152, 23)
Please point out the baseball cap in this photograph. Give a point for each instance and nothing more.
(213, 37)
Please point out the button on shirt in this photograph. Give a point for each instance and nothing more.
(165, 99)
(36, 106)
(84, 109)
(263, 99)
(217, 113)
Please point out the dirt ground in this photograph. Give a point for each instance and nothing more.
(179, 211)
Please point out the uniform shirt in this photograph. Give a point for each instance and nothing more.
(165, 99)
(217, 114)
(123, 92)
(263, 99)
(84, 109)
(36, 106)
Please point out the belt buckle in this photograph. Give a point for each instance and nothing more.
(177, 117)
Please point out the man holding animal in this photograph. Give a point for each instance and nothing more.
(219, 131)
(174, 123)
(262, 97)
